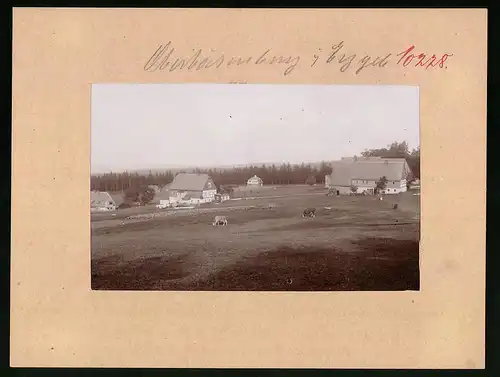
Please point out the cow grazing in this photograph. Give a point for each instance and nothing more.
(309, 212)
(395, 206)
(220, 220)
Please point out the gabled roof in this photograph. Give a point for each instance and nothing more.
(100, 198)
(162, 195)
(255, 177)
(370, 169)
(118, 197)
(189, 182)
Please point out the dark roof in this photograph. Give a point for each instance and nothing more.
(370, 169)
(189, 182)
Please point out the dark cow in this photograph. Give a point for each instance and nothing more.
(309, 212)
(395, 206)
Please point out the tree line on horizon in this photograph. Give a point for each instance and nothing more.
(398, 150)
(285, 174)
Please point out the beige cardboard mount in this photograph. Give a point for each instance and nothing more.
(56, 320)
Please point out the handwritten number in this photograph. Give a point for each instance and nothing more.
(421, 59)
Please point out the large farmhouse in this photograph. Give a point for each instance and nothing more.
(363, 173)
(192, 188)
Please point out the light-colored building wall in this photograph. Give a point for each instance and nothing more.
(206, 196)
(176, 196)
(396, 184)
(369, 190)
(364, 186)
(342, 190)
(328, 179)
(255, 181)
(363, 183)
(209, 194)
(395, 187)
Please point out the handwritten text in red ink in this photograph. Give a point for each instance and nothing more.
(412, 58)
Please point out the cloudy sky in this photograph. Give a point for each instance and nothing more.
(142, 126)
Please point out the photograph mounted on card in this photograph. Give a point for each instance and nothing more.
(266, 188)
(252, 188)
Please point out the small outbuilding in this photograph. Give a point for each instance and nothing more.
(255, 181)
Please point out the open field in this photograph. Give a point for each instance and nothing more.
(361, 243)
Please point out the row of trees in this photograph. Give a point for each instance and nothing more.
(398, 150)
(141, 194)
(124, 181)
(270, 174)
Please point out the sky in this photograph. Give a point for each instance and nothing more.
(149, 126)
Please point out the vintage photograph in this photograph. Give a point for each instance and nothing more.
(253, 187)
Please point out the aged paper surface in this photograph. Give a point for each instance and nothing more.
(58, 321)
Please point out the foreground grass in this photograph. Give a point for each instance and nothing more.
(381, 264)
(358, 243)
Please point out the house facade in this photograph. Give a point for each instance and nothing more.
(327, 180)
(222, 197)
(101, 201)
(191, 188)
(255, 181)
(364, 173)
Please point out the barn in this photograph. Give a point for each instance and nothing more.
(255, 181)
(101, 201)
(192, 188)
(363, 173)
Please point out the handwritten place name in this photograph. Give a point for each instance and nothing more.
(347, 60)
(166, 58)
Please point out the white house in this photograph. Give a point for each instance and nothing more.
(363, 173)
(191, 188)
(255, 181)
